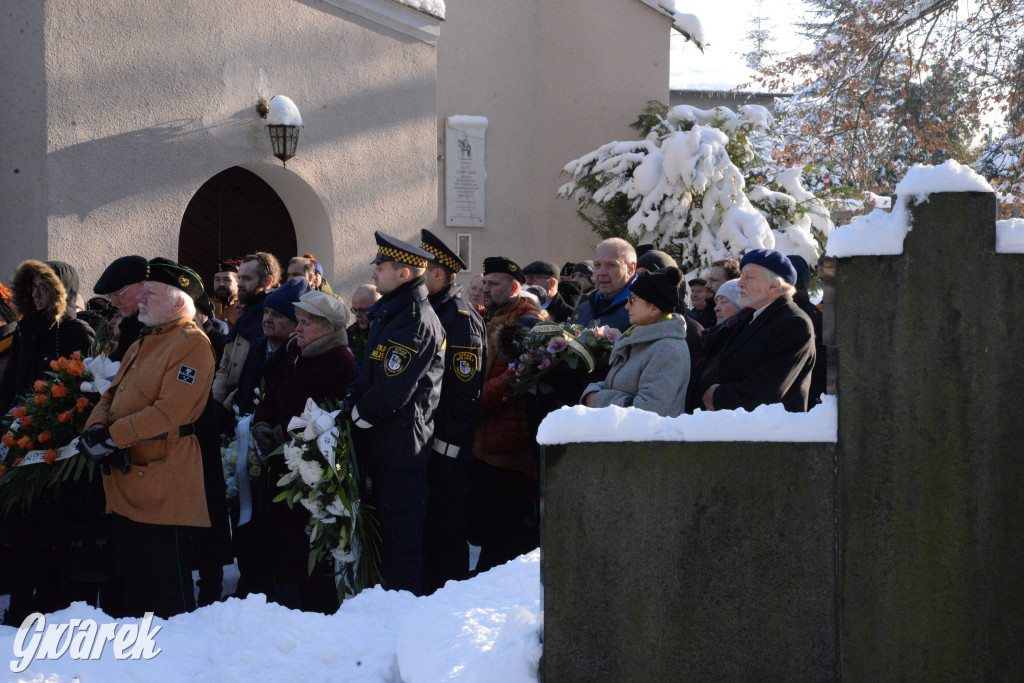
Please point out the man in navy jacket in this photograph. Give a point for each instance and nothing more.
(393, 406)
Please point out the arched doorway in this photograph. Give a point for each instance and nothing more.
(233, 214)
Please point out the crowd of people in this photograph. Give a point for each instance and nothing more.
(446, 449)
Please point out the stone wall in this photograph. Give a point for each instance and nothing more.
(688, 561)
(894, 554)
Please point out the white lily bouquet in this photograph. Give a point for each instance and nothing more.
(323, 477)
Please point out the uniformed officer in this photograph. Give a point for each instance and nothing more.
(446, 554)
(145, 420)
(393, 405)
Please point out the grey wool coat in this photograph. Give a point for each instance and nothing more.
(650, 368)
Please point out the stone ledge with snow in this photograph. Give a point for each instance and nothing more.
(1010, 236)
(880, 233)
(578, 424)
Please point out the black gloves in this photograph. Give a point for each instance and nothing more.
(96, 443)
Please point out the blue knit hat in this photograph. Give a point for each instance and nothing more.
(284, 297)
(774, 261)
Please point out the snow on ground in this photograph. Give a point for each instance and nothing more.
(576, 424)
(879, 233)
(1010, 236)
(483, 629)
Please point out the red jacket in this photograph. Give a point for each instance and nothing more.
(502, 435)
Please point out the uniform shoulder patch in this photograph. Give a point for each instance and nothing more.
(397, 359)
(186, 374)
(465, 364)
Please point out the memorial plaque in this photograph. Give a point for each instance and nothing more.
(465, 171)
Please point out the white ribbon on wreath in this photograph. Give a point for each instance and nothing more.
(317, 424)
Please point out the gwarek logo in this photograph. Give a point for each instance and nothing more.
(81, 639)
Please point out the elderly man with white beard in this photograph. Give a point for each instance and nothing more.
(770, 358)
(144, 426)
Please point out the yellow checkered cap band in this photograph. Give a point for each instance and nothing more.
(442, 257)
(403, 256)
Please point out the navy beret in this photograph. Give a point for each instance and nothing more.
(775, 261)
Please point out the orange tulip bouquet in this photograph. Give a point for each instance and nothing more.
(39, 449)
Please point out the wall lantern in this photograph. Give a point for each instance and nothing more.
(283, 124)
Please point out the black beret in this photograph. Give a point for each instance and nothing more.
(500, 264)
(124, 271)
(393, 249)
(430, 242)
(542, 268)
(176, 275)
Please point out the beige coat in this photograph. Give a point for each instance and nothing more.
(163, 383)
(226, 379)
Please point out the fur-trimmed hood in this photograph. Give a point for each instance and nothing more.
(60, 277)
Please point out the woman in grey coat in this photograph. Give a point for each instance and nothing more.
(650, 362)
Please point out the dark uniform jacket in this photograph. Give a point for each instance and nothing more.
(768, 360)
(128, 331)
(399, 386)
(464, 363)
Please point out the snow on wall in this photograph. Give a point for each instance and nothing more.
(881, 233)
(1010, 236)
(434, 7)
(283, 112)
(578, 424)
(472, 125)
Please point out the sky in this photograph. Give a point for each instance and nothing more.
(726, 25)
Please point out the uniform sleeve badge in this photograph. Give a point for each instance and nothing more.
(186, 374)
(398, 358)
(465, 364)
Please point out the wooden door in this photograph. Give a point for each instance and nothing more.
(233, 214)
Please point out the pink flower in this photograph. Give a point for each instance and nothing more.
(613, 335)
(545, 363)
(520, 368)
(555, 345)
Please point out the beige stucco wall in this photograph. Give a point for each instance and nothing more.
(145, 101)
(555, 79)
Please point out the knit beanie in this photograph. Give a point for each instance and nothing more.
(659, 287)
(655, 260)
(731, 291)
(284, 297)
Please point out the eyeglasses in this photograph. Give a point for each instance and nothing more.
(359, 310)
(119, 293)
(631, 300)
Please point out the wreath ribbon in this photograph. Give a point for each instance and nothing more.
(553, 330)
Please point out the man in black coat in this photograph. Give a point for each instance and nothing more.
(544, 274)
(393, 406)
(770, 358)
(445, 551)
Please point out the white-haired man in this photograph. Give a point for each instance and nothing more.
(614, 271)
(770, 358)
(144, 425)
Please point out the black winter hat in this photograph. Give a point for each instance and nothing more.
(542, 268)
(124, 271)
(655, 260)
(500, 264)
(803, 271)
(567, 269)
(659, 287)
